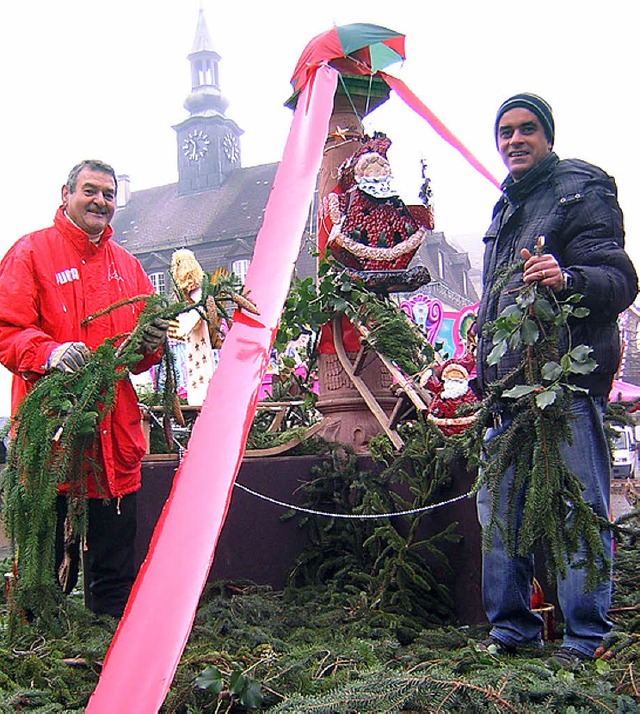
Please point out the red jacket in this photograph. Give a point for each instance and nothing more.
(49, 281)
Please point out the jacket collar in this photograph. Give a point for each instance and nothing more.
(77, 237)
(517, 190)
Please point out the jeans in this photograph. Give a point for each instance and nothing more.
(506, 581)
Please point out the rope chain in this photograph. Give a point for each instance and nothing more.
(353, 516)
(325, 514)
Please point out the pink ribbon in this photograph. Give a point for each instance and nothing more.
(418, 106)
(151, 636)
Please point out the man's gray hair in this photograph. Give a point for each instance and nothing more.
(94, 165)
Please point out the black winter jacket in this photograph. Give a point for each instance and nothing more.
(574, 206)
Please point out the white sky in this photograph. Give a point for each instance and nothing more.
(92, 80)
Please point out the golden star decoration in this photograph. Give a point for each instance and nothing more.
(339, 133)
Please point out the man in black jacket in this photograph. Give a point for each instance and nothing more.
(573, 205)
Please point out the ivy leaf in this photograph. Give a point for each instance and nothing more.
(497, 353)
(340, 305)
(246, 689)
(520, 390)
(580, 312)
(515, 340)
(545, 398)
(512, 312)
(251, 697)
(580, 353)
(585, 367)
(575, 298)
(543, 310)
(237, 682)
(551, 371)
(210, 679)
(530, 332)
(501, 335)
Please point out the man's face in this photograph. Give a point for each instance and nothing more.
(521, 141)
(93, 202)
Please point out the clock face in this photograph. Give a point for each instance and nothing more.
(231, 147)
(196, 145)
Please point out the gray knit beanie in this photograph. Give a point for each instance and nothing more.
(534, 104)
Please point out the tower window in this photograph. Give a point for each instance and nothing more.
(206, 76)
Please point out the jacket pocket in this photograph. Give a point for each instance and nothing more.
(129, 445)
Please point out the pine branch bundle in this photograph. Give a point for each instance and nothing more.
(55, 441)
(537, 393)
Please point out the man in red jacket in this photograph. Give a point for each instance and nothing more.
(50, 281)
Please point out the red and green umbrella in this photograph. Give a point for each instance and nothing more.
(359, 48)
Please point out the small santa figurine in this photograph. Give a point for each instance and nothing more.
(451, 391)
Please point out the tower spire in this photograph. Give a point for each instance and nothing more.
(206, 97)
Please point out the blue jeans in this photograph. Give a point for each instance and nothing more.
(506, 581)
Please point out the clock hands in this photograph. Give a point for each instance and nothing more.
(196, 145)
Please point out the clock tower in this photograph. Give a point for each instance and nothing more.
(208, 141)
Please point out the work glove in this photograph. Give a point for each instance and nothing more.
(68, 357)
(154, 334)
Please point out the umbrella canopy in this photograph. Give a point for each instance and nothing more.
(359, 48)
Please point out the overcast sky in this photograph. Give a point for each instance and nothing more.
(108, 80)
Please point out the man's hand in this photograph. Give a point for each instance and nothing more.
(154, 334)
(543, 269)
(68, 357)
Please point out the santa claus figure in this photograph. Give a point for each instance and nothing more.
(372, 228)
(451, 391)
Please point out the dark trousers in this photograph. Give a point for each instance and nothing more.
(108, 561)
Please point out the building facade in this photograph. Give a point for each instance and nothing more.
(217, 206)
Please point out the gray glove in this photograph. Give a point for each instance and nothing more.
(68, 357)
(154, 334)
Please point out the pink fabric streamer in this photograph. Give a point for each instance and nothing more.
(151, 636)
(418, 106)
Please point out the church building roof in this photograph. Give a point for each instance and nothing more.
(234, 210)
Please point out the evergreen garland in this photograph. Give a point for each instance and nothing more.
(390, 331)
(55, 442)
